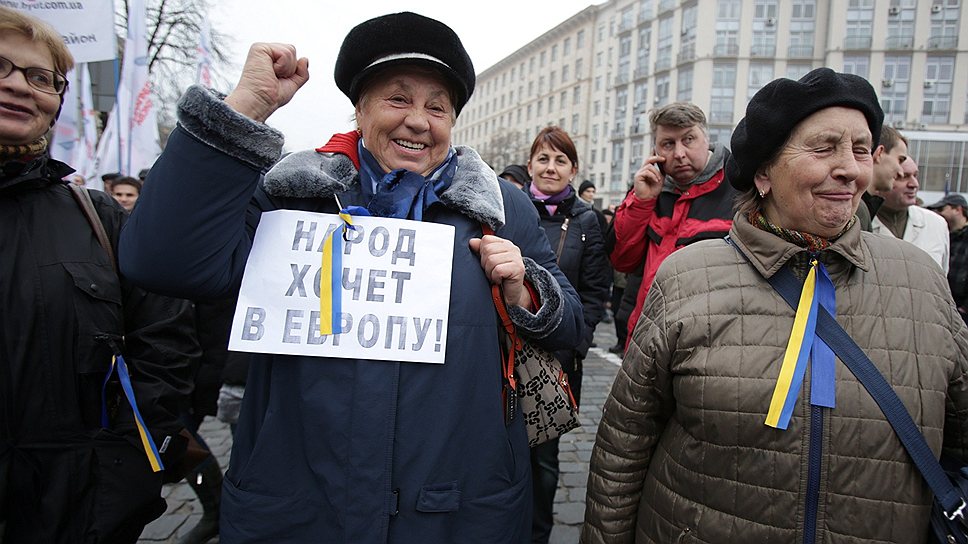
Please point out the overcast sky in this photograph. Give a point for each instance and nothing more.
(490, 31)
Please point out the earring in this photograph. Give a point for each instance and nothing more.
(762, 194)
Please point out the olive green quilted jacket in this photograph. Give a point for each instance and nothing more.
(682, 453)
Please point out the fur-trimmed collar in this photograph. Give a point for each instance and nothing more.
(475, 191)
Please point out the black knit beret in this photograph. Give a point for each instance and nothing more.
(778, 107)
(403, 38)
(518, 172)
(587, 184)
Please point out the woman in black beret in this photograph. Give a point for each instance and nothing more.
(719, 427)
(336, 447)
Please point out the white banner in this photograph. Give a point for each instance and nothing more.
(396, 278)
(75, 134)
(87, 27)
(130, 140)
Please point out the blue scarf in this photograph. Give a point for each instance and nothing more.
(401, 193)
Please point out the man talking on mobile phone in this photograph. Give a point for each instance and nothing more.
(679, 196)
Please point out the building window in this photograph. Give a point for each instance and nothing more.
(900, 28)
(554, 53)
(895, 87)
(760, 74)
(797, 70)
(576, 96)
(574, 123)
(938, 83)
(662, 90)
(684, 84)
(860, 24)
(859, 65)
(723, 92)
(663, 58)
(642, 52)
(567, 47)
(728, 10)
(944, 25)
(580, 40)
(579, 64)
(564, 73)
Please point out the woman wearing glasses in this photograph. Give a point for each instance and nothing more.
(72, 464)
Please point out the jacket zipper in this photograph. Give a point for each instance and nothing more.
(814, 464)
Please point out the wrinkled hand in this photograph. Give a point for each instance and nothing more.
(271, 76)
(649, 178)
(503, 265)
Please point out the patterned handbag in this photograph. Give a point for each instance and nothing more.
(534, 378)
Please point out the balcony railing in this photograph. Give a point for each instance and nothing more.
(763, 50)
(621, 79)
(641, 72)
(726, 50)
(721, 117)
(663, 64)
(899, 42)
(645, 16)
(686, 55)
(943, 42)
(626, 25)
(666, 5)
(800, 51)
(618, 133)
(857, 42)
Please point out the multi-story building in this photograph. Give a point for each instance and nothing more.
(599, 73)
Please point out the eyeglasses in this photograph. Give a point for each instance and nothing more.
(42, 79)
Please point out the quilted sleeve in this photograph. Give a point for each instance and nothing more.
(956, 410)
(635, 413)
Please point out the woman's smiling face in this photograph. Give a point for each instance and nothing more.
(816, 182)
(406, 116)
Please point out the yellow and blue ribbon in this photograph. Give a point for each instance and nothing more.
(805, 346)
(148, 443)
(331, 274)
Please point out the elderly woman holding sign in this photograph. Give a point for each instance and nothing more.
(335, 444)
(719, 428)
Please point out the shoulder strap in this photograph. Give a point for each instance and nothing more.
(864, 370)
(83, 199)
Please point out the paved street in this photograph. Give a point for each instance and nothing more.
(600, 368)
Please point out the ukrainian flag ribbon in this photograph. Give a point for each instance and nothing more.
(117, 363)
(331, 274)
(804, 345)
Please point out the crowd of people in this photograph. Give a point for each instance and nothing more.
(120, 310)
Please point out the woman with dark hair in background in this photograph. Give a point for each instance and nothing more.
(574, 232)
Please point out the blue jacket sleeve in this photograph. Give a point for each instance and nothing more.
(190, 233)
(564, 330)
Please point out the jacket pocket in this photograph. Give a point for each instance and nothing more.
(253, 517)
(128, 493)
(443, 497)
(97, 311)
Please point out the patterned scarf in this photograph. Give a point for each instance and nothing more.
(806, 240)
(400, 193)
(23, 152)
(551, 202)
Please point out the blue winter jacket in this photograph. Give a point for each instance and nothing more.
(340, 450)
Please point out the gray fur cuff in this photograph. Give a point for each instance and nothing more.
(206, 117)
(549, 315)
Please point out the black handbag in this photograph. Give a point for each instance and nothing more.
(947, 479)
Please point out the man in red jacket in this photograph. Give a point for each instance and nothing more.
(679, 196)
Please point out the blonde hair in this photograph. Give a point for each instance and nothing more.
(40, 32)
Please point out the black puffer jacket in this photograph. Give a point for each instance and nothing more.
(64, 478)
(581, 256)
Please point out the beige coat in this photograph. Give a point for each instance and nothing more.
(682, 453)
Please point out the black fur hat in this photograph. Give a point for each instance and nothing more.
(403, 38)
(778, 107)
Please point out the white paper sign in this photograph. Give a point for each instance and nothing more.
(87, 26)
(395, 289)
